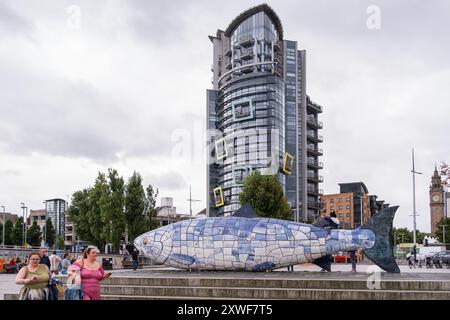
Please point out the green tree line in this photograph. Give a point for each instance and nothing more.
(111, 209)
(14, 233)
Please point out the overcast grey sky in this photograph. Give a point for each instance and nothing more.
(88, 85)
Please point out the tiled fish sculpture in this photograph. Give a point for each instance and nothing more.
(258, 244)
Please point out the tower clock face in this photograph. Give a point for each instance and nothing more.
(435, 198)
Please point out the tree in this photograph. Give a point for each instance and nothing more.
(97, 202)
(50, 232)
(9, 226)
(150, 207)
(17, 234)
(439, 230)
(78, 213)
(60, 243)
(116, 202)
(403, 235)
(135, 206)
(34, 235)
(265, 195)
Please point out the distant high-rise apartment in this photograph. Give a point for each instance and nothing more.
(56, 210)
(259, 116)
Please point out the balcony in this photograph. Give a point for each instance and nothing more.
(316, 192)
(229, 66)
(312, 122)
(246, 41)
(314, 150)
(277, 46)
(315, 164)
(313, 107)
(228, 52)
(247, 69)
(315, 178)
(314, 205)
(247, 55)
(314, 137)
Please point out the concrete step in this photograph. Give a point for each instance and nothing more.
(270, 293)
(336, 284)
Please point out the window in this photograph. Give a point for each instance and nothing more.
(243, 110)
(340, 199)
(221, 149)
(240, 173)
(287, 163)
(348, 207)
(340, 207)
(331, 200)
(218, 196)
(348, 199)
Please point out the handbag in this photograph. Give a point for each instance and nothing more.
(56, 288)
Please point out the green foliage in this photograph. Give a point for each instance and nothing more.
(60, 243)
(9, 226)
(404, 235)
(108, 210)
(265, 195)
(150, 204)
(95, 218)
(439, 230)
(17, 233)
(50, 232)
(135, 206)
(78, 211)
(116, 202)
(34, 235)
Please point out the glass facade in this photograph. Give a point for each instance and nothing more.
(56, 209)
(255, 110)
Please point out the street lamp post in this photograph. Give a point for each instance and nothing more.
(45, 224)
(443, 234)
(4, 222)
(26, 226)
(414, 172)
(23, 215)
(361, 210)
(190, 202)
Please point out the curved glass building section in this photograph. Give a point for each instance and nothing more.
(247, 110)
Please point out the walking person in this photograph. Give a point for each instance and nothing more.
(135, 257)
(74, 290)
(54, 263)
(65, 263)
(43, 257)
(325, 221)
(35, 278)
(91, 273)
(352, 255)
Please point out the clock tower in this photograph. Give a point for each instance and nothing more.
(436, 200)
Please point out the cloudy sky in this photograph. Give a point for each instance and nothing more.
(89, 85)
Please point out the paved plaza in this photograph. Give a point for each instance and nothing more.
(340, 271)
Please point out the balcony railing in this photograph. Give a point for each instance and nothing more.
(246, 40)
(314, 150)
(315, 177)
(315, 164)
(314, 107)
(228, 52)
(315, 123)
(315, 137)
(315, 191)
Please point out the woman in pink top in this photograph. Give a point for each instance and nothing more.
(91, 273)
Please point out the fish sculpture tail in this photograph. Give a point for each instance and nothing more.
(382, 253)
